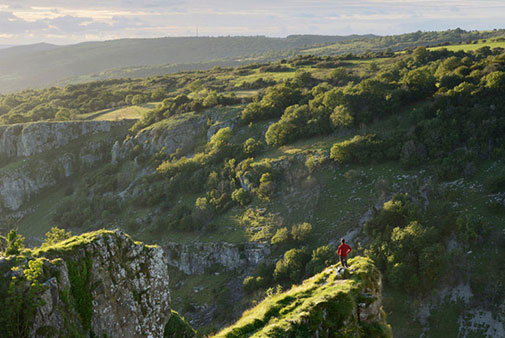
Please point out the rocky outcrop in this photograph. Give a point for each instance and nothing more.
(196, 258)
(168, 135)
(22, 178)
(97, 284)
(330, 304)
(33, 138)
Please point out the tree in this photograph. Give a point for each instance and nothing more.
(495, 80)
(301, 232)
(341, 116)
(421, 55)
(340, 76)
(421, 82)
(138, 99)
(291, 267)
(241, 196)
(15, 243)
(281, 237)
(55, 235)
(322, 257)
(251, 146)
(64, 114)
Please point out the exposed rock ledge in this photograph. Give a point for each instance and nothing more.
(33, 138)
(196, 258)
(101, 283)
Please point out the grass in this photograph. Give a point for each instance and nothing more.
(121, 113)
(173, 121)
(491, 43)
(322, 303)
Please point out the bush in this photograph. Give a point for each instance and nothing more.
(55, 235)
(241, 196)
(301, 232)
(291, 267)
(276, 99)
(249, 285)
(252, 147)
(341, 116)
(322, 257)
(281, 237)
(362, 150)
(266, 187)
(15, 243)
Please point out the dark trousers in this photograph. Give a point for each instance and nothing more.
(343, 261)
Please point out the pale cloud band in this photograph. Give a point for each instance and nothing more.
(57, 21)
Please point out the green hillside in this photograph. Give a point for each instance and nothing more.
(43, 65)
(400, 153)
(326, 304)
(497, 42)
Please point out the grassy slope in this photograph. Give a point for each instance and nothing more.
(491, 43)
(121, 113)
(323, 302)
(331, 200)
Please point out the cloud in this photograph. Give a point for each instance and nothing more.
(63, 21)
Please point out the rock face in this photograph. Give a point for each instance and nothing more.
(181, 132)
(33, 138)
(21, 178)
(196, 258)
(330, 304)
(101, 283)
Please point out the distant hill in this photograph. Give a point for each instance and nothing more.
(40, 65)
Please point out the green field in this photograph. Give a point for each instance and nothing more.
(121, 113)
(468, 47)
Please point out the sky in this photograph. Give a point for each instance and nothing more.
(72, 21)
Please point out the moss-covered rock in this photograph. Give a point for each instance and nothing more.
(330, 304)
(100, 283)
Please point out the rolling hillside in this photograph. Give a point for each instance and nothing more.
(248, 177)
(41, 65)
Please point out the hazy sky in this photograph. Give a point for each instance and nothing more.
(70, 21)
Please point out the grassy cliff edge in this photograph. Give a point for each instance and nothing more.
(328, 304)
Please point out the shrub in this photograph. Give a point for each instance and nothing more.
(291, 267)
(281, 237)
(15, 243)
(276, 99)
(361, 150)
(266, 187)
(249, 284)
(341, 116)
(301, 232)
(241, 196)
(322, 257)
(252, 147)
(55, 235)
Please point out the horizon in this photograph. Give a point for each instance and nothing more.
(60, 23)
(6, 46)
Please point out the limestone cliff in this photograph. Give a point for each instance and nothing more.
(196, 258)
(180, 132)
(62, 148)
(330, 304)
(33, 138)
(101, 283)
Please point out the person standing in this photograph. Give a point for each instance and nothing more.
(342, 251)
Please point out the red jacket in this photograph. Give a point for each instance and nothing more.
(343, 250)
